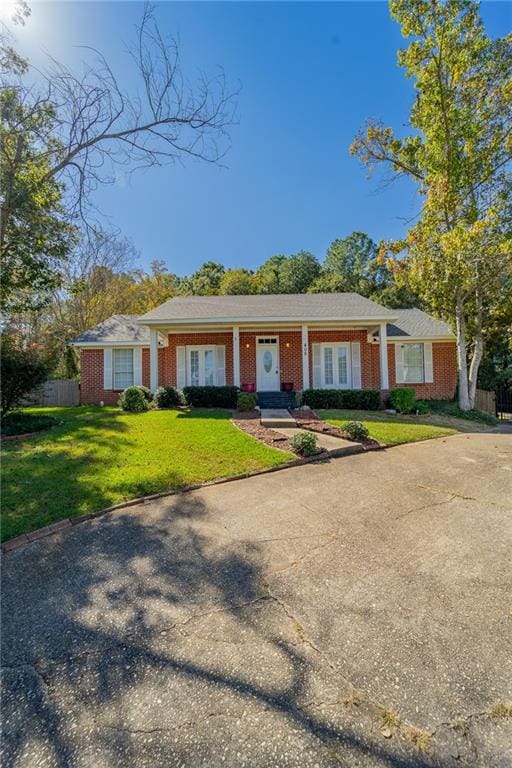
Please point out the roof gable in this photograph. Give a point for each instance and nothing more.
(118, 329)
(414, 323)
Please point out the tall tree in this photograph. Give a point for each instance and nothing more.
(459, 155)
(205, 281)
(237, 282)
(35, 235)
(350, 259)
(70, 132)
(297, 272)
(268, 276)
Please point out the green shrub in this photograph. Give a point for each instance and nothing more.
(148, 395)
(356, 430)
(168, 397)
(422, 407)
(133, 400)
(403, 399)
(352, 399)
(246, 402)
(23, 370)
(211, 397)
(304, 443)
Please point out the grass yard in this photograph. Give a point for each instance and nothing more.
(95, 457)
(394, 430)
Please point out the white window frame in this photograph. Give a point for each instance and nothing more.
(201, 348)
(115, 385)
(408, 345)
(335, 345)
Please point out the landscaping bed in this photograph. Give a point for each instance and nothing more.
(311, 421)
(249, 422)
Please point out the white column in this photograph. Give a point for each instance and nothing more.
(383, 348)
(236, 356)
(305, 357)
(153, 360)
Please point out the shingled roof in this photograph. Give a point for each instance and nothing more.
(118, 329)
(130, 329)
(417, 324)
(294, 307)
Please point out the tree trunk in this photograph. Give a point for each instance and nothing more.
(477, 353)
(462, 362)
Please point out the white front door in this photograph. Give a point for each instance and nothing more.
(267, 365)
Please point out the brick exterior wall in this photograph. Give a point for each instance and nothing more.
(290, 355)
(91, 378)
(444, 360)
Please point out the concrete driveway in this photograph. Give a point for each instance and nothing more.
(350, 613)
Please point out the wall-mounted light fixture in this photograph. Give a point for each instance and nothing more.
(288, 344)
(247, 345)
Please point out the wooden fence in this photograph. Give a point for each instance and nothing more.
(486, 401)
(56, 392)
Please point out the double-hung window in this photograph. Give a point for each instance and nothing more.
(122, 367)
(201, 366)
(413, 365)
(335, 361)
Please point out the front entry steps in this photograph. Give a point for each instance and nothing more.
(276, 418)
(275, 400)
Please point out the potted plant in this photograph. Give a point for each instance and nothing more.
(287, 386)
(249, 387)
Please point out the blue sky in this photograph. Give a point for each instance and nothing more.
(310, 74)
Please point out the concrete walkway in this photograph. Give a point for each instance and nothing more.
(354, 612)
(276, 417)
(327, 442)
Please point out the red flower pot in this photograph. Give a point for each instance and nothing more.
(249, 387)
(287, 386)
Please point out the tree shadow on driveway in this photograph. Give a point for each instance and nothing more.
(128, 638)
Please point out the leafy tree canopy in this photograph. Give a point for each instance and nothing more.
(459, 155)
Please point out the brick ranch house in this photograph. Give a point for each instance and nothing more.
(267, 344)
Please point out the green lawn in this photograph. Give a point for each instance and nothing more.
(393, 430)
(96, 457)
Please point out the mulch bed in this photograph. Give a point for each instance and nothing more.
(311, 421)
(249, 421)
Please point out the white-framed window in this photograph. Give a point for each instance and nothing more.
(413, 364)
(122, 368)
(201, 366)
(335, 361)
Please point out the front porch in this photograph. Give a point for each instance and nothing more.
(271, 361)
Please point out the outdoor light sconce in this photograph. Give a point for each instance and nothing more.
(287, 344)
(247, 345)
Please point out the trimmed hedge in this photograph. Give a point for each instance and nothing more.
(350, 399)
(168, 397)
(211, 397)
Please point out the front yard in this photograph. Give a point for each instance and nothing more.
(96, 457)
(394, 429)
